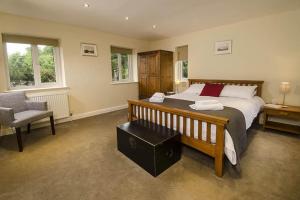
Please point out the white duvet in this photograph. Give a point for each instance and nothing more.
(249, 107)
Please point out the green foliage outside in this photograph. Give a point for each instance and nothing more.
(21, 69)
(46, 61)
(114, 65)
(123, 67)
(124, 63)
(185, 69)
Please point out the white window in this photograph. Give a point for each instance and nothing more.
(182, 63)
(121, 64)
(32, 62)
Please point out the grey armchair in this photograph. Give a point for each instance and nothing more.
(17, 111)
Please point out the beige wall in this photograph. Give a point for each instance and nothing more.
(89, 78)
(265, 48)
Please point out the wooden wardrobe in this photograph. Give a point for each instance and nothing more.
(155, 72)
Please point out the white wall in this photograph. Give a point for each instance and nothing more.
(89, 78)
(265, 48)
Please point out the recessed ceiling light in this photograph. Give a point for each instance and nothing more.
(86, 5)
(126, 18)
(154, 26)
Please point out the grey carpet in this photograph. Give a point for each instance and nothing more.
(82, 162)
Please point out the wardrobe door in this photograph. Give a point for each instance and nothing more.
(166, 71)
(153, 64)
(142, 64)
(153, 85)
(143, 81)
(143, 86)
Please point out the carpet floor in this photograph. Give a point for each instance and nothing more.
(82, 162)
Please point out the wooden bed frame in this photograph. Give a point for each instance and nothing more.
(214, 150)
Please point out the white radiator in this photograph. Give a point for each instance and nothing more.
(57, 102)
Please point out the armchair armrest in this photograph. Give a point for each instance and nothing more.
(36, 105)
(6, 116)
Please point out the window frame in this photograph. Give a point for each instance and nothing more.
(179, 66)
(36, 68)
(130, 76)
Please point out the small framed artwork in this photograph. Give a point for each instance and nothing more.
(223, 47)
(88, 49)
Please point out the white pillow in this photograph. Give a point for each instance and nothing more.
(244, 92)
(194, 89)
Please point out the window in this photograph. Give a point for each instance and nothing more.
(182, 63)
(121, 64)
(182, 70)
(32, 62)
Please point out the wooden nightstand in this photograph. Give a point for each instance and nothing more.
(291, 112)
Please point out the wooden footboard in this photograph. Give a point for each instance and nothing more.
(138, 109)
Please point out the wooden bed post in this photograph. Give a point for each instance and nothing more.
(219, 153)
(130, 109)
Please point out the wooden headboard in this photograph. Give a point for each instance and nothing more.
(231, 82)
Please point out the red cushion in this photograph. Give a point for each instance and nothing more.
(213, 90)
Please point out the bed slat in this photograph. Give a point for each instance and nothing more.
(166, 119)
(192, 128)
(171, 121)
(151, 115)
(208, 132)
(147, 114)
(177, 123)
(184, 126)
(140, 112)
(133, 111)
(199, 129)
(142, 115)
(160, 118)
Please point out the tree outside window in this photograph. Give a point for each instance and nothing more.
(47, 63)
(114, 66)
(31, 65)
(184, 69)
(182, 63)
(121, 64)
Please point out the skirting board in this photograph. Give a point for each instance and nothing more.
(98, 112)
(84, 115)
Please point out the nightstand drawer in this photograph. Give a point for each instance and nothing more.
(292, 115)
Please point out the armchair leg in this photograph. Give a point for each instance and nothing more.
(52, 125)
(19, 139)
(28, 128)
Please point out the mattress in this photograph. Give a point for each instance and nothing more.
(249, 107)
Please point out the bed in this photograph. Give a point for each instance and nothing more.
(204, 131)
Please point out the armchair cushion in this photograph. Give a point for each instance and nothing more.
(34, 105)
(6, 116)
(25, 117)
(14, 100)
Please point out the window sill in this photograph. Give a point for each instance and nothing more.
(39, 89)
(124, 82)
(183, 81)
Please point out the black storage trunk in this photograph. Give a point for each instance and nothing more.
(153, 147)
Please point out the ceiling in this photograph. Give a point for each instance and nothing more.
(171, 17)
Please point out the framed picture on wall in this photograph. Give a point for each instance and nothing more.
(88, 49)
(223, 47)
